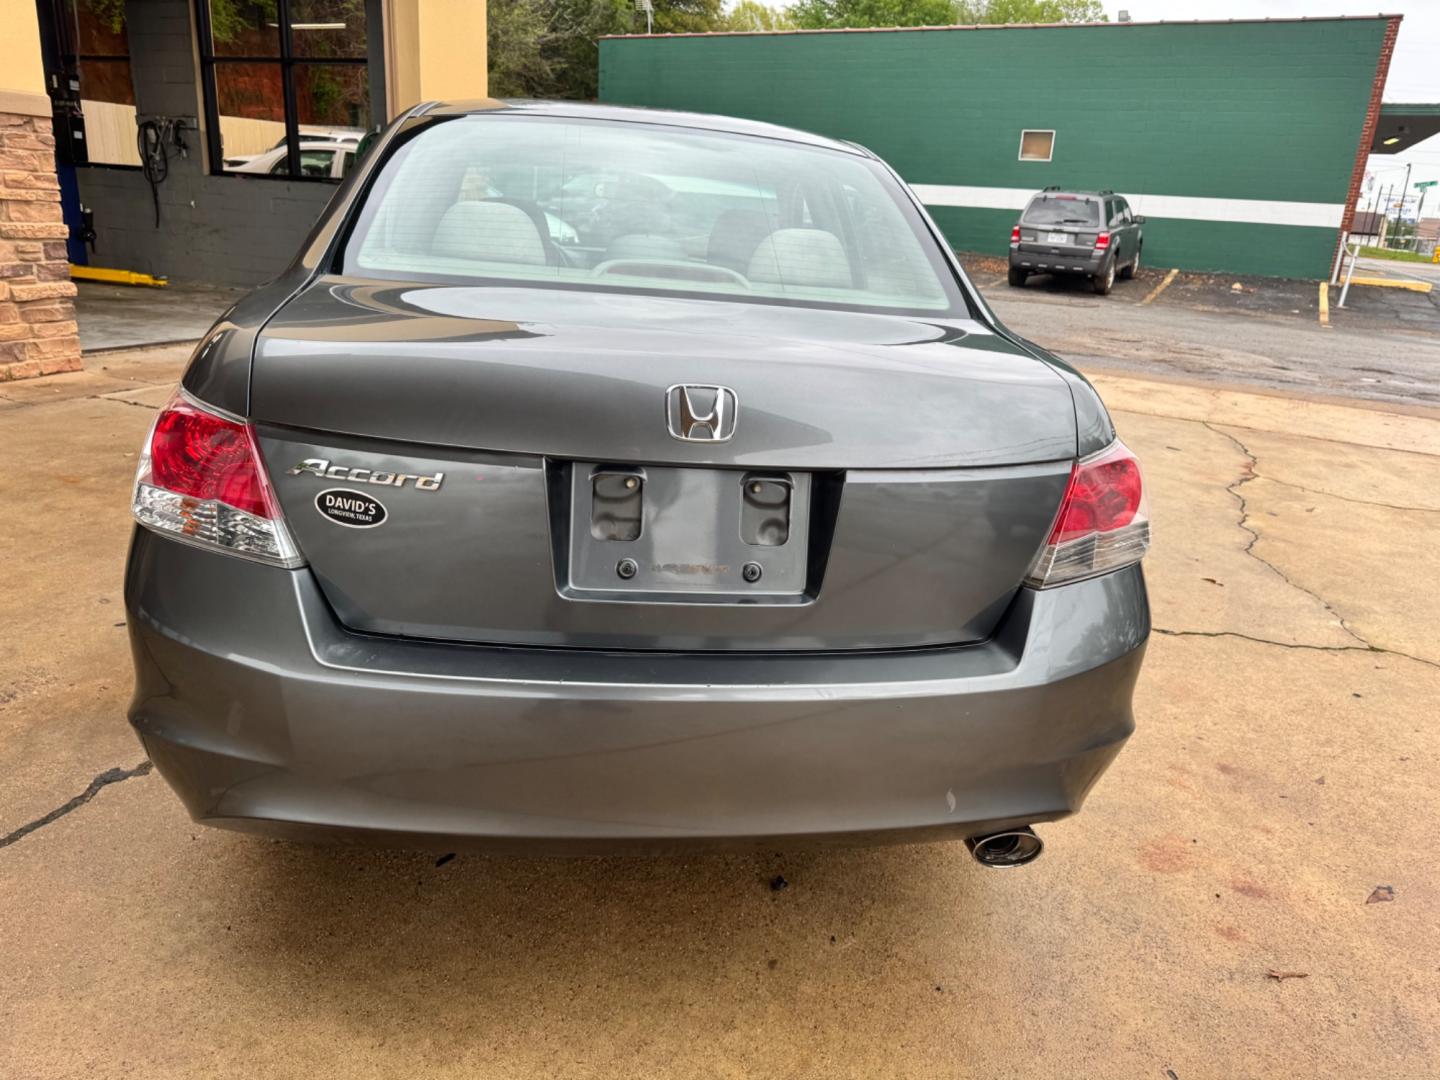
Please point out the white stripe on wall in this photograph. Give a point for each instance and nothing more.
(1251, 211)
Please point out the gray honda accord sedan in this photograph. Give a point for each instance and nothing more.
(603, 479)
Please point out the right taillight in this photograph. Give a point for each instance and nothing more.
(1103, 524)
(201, 480)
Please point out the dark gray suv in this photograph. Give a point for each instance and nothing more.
(1077, 232)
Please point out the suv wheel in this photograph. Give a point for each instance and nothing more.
(1129, 271)
(1105, 280)
(1017, 277)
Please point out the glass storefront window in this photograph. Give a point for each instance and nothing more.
(287, 85)
(97, 34)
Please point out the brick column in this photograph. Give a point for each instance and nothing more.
(38, 335)
(1367, 132)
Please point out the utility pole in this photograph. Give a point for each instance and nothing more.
(1404, 192)
(1384, 217)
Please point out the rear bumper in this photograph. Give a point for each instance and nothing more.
(264, 714)
(1049, 262)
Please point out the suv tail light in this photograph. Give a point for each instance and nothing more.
(201, 480)
(1103, 524)
(1102, 242)
(1015, 234)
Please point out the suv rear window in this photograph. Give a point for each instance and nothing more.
(1062, 210)
(599, 204)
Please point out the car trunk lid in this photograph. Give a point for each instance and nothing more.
(887, 482)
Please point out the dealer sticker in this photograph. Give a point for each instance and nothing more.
(350, 508)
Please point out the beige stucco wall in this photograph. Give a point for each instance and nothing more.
(436, 50)
(22, 76)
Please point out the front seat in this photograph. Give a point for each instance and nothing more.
(809, 258)
(489, 231)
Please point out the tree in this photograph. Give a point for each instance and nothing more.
(109, 13)
(842, 14)
(752, 16)
(687, 16)
(1030, 11)
(547, 48)
(836, 14)
(516, 33)
(575, 49)
(228, 21)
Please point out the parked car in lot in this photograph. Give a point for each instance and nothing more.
(319, 160)
(742, 529)
(312, 134)
(1077, 232)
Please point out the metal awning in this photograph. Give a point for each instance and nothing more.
(1402, 126)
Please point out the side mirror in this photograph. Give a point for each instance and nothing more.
(1139, 219)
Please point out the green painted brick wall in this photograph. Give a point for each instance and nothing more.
(1226, 110)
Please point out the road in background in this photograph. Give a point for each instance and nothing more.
(1385, 347)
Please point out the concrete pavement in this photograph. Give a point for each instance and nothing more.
(1283, 769)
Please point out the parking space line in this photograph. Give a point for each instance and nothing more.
(1324, 303)
(1158, 289)
(1409, 284)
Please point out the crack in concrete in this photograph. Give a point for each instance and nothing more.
(1233, 488)
(109, 776)
(1308, 435)
(1367, 648)
(1350, 498)
(36, 403)
(121, 401)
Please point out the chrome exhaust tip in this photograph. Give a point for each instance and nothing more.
(1013, 847)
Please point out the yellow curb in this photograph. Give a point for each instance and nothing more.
(1158, 289)
(116, 277)
(1324, 303)
(1393, 283)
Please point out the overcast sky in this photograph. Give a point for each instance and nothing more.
(1414, 69)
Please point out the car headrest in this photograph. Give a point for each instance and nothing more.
(804, 257)
(734, 237)
(489, 232)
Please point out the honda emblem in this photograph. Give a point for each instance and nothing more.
(695, 413)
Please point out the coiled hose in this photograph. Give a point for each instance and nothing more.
(152, 140)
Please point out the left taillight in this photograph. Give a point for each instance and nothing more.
(201, 480)
(1103, 523)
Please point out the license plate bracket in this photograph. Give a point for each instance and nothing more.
(691, 542)
(1057, 238)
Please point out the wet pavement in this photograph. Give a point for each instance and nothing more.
(125, 316)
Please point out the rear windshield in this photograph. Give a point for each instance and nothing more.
(1062, 210)
(641, 207)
